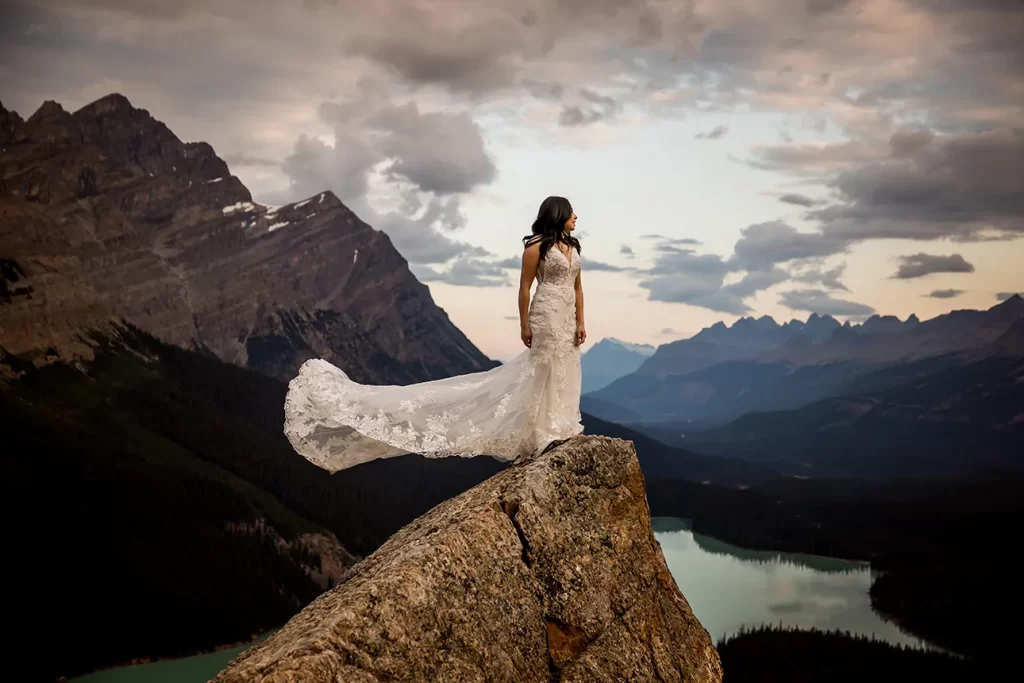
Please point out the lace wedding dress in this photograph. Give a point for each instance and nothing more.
(510, 412)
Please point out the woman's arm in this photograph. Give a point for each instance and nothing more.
(581, 330)
(531, 257)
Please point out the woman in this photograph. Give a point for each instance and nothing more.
(513, 411)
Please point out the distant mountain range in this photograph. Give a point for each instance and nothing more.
(609, 359)
(878, 398)
(757, 364)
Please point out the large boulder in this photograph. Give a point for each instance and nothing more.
(547, 571)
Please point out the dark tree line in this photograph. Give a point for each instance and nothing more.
(772, 654)
(132, 490)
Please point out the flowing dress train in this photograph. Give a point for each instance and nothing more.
(510, 412)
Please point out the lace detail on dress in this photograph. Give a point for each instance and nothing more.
(508, 412)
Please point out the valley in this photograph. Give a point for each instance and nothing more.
(152, 313)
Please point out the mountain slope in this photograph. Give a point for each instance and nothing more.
(944, 418)
(159, 479)
(173, 243)
(45, 301)
(660, 461)
(609, 359)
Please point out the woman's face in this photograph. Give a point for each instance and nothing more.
(570, 224)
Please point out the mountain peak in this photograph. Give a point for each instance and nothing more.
(108, 104)
(1012, 306)
(629, 345)
(327, 199)
(48, 110)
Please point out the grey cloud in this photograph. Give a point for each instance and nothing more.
(764, 244)
(797, 199)
(314, 166)
(906, 142)
(597, 98)
(438, 152)
(493, 40)
(919, 265)
(627, 250)
(467, 272)
(544, 90)
(418, 237)
(1003, 296)
(243, 159)
(430, 157)
(755, 281)
(823, 6)
(478, 53)
(956, 182)
(670, 247)
(144, 9)
(962, 186)
(511, 262)
(674, 241)
(668, 331)
(822, 303)
(944, 293)
(698, 280)
(575, 116)
(713, 134)
(593, 265)
(811, 158)
(590, 107)
(826, 278)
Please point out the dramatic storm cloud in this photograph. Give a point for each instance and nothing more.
(802, 146)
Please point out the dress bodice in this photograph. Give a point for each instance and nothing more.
(557, 269)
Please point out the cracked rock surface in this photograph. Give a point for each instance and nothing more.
(547, 571)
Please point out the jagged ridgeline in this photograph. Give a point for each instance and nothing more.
(149, 310)
(172, 242)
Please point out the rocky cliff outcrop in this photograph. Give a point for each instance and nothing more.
(170, 241)
(547, 571)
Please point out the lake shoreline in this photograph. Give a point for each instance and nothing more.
(732, 589)
(786, 551)
(143, 661)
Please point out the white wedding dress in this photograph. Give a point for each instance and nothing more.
(510, 412)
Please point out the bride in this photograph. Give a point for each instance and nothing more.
(514, 411)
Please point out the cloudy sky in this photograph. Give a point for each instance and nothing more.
(725, 158)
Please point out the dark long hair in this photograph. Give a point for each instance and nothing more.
(550, 225)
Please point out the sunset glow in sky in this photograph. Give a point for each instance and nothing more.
(725, 158)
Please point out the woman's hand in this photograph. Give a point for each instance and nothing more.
(526, 335)
(581, 334)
